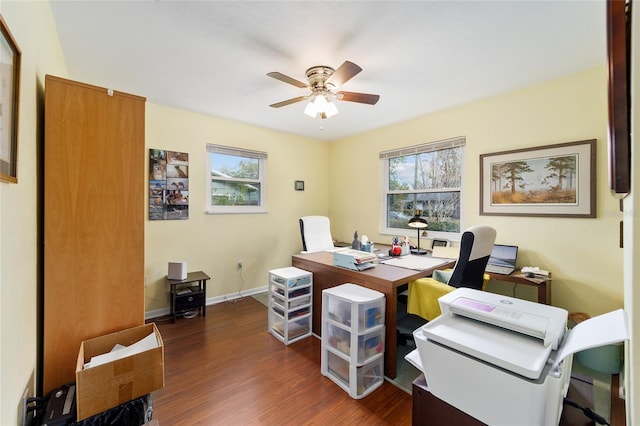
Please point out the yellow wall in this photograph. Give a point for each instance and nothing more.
(32, 26)
(214, 243)
(582, 254)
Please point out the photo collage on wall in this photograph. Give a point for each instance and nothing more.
(168, 185)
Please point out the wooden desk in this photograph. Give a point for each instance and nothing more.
(427, 409)
(382, 278)
(542, 283)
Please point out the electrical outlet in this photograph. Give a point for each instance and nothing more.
(239, 265)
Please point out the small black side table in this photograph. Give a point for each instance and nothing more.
(186, 295)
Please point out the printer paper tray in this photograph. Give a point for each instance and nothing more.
(514, 352)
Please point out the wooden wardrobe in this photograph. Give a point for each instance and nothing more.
(94, 180)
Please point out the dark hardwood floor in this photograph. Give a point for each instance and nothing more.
(226, 369)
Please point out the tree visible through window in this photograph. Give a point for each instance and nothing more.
(236, 181)
(428, 179)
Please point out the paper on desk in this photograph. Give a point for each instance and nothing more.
(602, 330)
(119, 351)
(417, 262)
(445, 252)
(335, 249)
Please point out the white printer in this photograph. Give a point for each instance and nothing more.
(503, 360)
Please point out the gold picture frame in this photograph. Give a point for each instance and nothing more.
(553, 180)
(9, 100)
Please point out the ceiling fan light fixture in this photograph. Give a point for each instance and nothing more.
(322, 84)
(330, 109)
(311, 109)
(320, 104)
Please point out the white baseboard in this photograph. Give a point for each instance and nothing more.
(210, 301)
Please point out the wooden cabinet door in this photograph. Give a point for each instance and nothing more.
(93, 220)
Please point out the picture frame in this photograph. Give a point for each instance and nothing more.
(551, 181)
(168, 185)
(299, 185)
(10, 56)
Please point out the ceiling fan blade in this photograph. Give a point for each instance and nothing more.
(288, 102)
(287, 79)
(363, 98)
(344, 73)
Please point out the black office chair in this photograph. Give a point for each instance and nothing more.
(422, 296)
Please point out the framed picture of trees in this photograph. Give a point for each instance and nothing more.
(552, 180)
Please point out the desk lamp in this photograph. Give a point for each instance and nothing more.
(419, 223)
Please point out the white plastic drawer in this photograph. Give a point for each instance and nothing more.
(295, 328)
(294, 313)
(369, 375)
(299, 301)
(278, 310)
(297, 292)
(339, 311)
(371, 314)
(291, 282)
(299, 327)
(370, 345)
(338, 367)
(339, 339)
(277, 302)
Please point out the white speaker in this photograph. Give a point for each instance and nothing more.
(177, 270)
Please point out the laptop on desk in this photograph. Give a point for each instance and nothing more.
(502, 259)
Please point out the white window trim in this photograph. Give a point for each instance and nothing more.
(261, 156)
(384, 176)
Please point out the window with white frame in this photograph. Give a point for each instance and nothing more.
(426, 179)
(236, 180)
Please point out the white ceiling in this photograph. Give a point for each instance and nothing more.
(212, 57)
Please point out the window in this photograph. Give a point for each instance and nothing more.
(236, 180)
(425, 178)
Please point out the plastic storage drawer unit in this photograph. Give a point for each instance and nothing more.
(353, 338)
(290, 304)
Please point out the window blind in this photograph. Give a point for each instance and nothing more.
(425, 147)
(238, 152)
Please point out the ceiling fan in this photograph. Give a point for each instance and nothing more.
(323, 81)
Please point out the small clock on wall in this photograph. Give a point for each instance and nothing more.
(299, 185)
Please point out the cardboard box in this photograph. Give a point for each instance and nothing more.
(106, 386)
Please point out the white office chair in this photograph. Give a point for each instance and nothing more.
(316, 234)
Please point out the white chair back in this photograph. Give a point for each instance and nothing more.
(316, 233)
